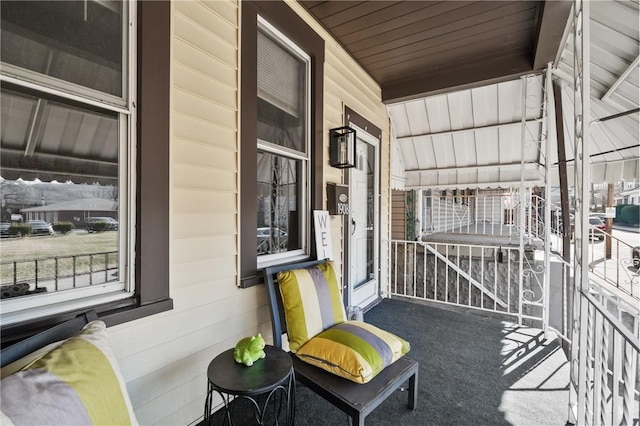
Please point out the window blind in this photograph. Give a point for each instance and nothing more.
(280, 76)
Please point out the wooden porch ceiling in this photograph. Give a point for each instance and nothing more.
(418, 48)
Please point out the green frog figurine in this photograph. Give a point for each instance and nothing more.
(249, 350)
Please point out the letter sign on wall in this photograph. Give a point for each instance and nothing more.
(322, 234)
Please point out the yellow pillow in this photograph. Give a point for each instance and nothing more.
(77, 383)
(312, 302)
(354, 350)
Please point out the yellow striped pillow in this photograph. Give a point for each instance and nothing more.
(77, 383)
(354, 350)
(312, 302)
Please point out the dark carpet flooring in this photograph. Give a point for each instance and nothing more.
(474, 370)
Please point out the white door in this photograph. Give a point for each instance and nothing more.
(363, 285)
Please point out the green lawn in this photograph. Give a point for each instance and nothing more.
(47, 248)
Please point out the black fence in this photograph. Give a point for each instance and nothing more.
(22, 277)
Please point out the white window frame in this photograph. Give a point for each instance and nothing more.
(267, 260)
(19, 309)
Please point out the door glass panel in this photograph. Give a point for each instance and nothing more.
(363, 215)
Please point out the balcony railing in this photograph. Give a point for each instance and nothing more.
(616, 267)
(488, 212)
(509, 281)
(484, 277)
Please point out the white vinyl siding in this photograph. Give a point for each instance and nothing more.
(164, 357)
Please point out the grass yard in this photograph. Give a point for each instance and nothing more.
(46, 249)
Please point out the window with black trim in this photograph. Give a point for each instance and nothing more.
(76, 147)
(281, 122)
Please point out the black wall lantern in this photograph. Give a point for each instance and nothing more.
(342, 147)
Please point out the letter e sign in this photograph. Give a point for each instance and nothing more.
(322, 234)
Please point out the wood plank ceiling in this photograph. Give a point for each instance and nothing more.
(418, 48)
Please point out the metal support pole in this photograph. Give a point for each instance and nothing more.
(564, 211)
(547, 125)
(419, 215)
(523, 133)
(608, 223)
(579, 400)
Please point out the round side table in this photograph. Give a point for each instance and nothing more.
(271, 378)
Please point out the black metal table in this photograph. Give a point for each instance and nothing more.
(268, 380)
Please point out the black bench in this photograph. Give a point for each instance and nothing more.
(60, 332)
(356, 400)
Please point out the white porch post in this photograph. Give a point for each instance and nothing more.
(522, 222)
(549, 135)
(579, 397)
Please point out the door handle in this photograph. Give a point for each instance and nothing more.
(353, 226)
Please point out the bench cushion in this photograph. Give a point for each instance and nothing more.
(78, 382)
(354, 350)
(312, 302)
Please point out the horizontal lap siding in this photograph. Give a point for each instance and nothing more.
(164, 357)
(398, 215)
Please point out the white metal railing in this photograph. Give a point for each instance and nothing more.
(484, 277)
(617, 269)
(483, 212)
(608, 387)
(487, 278)
(604, 354)
(466, 211)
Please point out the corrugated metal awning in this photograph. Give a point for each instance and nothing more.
(615, 46)
(472, 138)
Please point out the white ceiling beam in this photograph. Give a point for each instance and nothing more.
(620, 79)
(468, 129)
(504, 166)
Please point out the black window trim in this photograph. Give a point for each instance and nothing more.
(281, 16)
(152, 183)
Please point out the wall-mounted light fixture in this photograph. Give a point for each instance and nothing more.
(342, 147)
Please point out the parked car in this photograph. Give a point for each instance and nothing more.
(40, 227)
(4, 230)
(110, 224)
(596, 227)
(635, 254)
(271, 240)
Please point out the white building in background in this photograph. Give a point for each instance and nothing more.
(629, 196)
